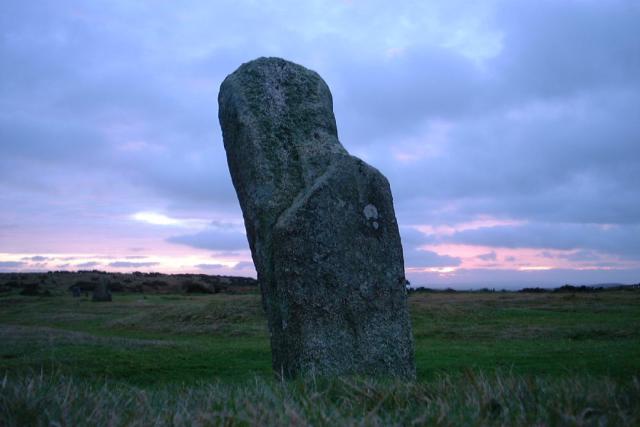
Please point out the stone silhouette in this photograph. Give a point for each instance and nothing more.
(76, 291)
(101, 292)
(320, 224)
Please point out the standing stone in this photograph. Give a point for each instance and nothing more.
(320, 224)
(101, 292)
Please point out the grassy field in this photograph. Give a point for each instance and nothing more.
(482, 358)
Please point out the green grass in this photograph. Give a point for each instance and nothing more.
(470, 399)
(569, 356)
(542, 334)
(143, 341)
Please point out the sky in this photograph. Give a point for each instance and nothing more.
(509, 131)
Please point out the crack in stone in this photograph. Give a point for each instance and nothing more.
(305, 194)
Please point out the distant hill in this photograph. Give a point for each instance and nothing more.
(56, 282)
(566, 288)
(583, 288)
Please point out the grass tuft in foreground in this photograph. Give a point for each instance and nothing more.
(468, 399)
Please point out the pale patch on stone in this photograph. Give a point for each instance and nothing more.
(370, 212)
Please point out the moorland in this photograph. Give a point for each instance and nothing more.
(180, 356)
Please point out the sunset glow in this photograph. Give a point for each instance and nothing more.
(211, 264)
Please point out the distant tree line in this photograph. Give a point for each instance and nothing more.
(562, 289)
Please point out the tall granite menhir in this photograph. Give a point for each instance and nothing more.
(320, 224)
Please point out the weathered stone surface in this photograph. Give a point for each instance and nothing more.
(320, 224)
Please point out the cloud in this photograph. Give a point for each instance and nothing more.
(622, 240)
(579, 255)
(154, 218)
(491, 256)
(91, 264)
(575, 52)
(36, 258)
(11, 264)
(517, 279)
(209, 266)
(220, 237)
(413, 237)
(390, 99)
(558, 161)
(127, 264)
(520, 110)
(242, 265)
(417, 258)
